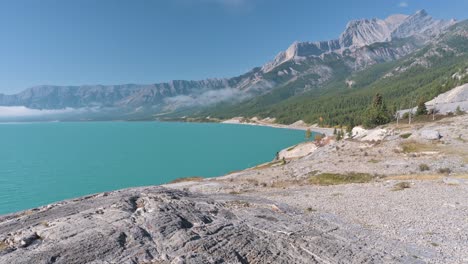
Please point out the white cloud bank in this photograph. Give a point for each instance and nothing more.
(403, 4)
(22, 111)
(206, 98)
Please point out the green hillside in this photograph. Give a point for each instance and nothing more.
(419, 76)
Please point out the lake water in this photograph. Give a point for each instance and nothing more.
(41, 163)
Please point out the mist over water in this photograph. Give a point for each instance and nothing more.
(41, 163)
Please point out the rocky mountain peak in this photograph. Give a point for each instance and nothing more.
(394, 21)
(421, 13)
(363, 32)
(421, 25)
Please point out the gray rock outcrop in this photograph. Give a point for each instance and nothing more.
(158, 225)
(430, 134)
(448, 102)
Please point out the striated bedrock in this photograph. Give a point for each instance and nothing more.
(158, 225)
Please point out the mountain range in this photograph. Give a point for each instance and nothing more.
(304, 70)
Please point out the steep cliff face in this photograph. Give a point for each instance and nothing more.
(361, 33)
(421, 25)
(364, 32)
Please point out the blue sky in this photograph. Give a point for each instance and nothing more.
(67, 42)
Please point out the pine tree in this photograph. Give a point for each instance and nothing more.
(422, 109)
(377, 114)
(308, 134)
(377, 101)
(339, 136)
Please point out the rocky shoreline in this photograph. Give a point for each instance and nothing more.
(270, 122)
(389, 208)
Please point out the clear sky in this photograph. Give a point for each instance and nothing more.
(74, 42)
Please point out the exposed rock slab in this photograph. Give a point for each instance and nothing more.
(157, 225)
(430, 134)
(451, 100)
(297, 151)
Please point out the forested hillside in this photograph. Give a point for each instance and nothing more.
(434, 69)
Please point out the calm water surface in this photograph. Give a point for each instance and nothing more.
(42, 163)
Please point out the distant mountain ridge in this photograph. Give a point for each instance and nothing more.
(364, 32)
(435, 68)
(304, 66)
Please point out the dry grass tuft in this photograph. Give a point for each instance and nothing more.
(423, 177)
(326, 179)
(461, 176)
(424, 167)
(286, 184)
(444, 170)
(415, 177)
(188, 179)
(3, 245)
(268, 165)
(401, 186)
(406, 135)
(413, 146)
(291, 148)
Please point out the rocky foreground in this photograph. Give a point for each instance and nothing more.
(408, 204)
(158, 225)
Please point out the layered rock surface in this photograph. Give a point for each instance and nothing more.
(157, 225)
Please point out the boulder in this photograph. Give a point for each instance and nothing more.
(375, 135)
(430, 134)
(359, 132)
(297, 151)
(369, 135)
(452, 181)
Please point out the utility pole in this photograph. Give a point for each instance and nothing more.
(411, 110)
(409, 120)
(398, 115)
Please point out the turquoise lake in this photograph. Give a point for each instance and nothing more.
(41, 163)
